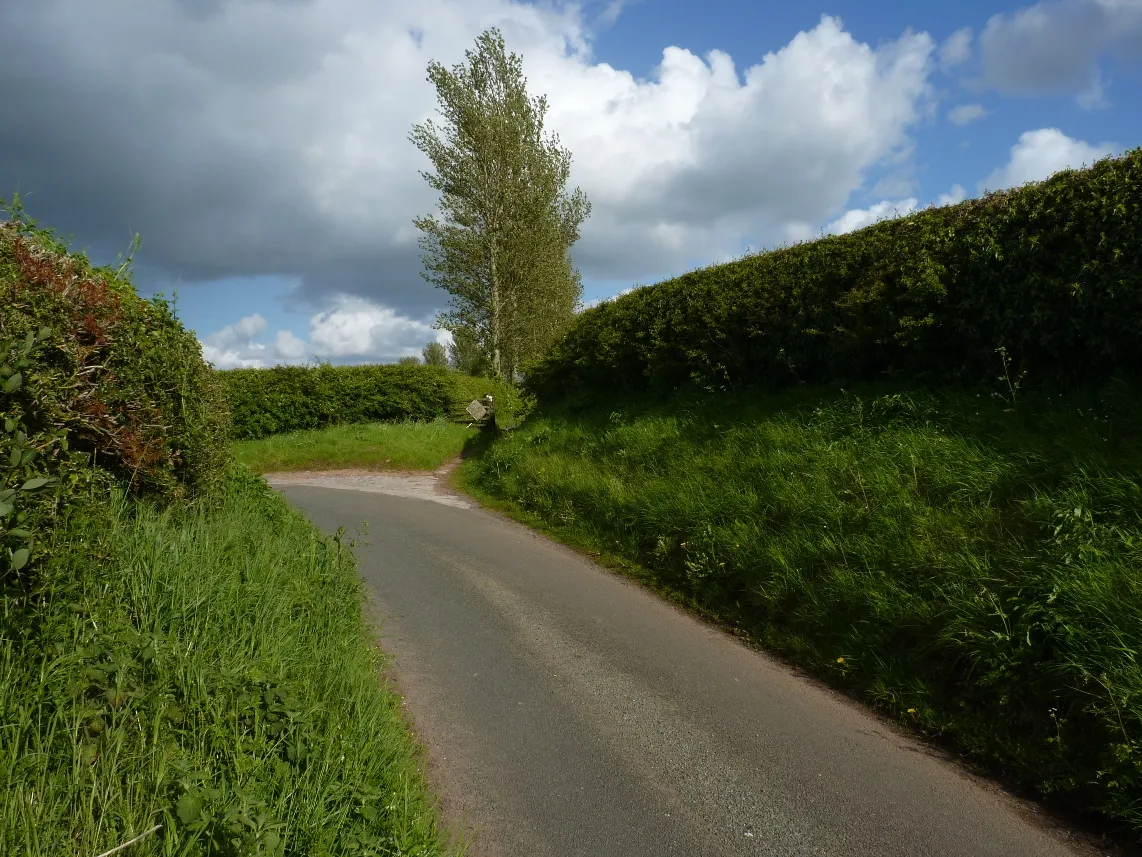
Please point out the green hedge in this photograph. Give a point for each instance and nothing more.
(90, 373)
(281, 399)
(291, 398)
(1051, 272)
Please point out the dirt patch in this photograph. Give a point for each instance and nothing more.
(418, 485)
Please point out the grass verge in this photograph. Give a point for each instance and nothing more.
(208, 671)
(970, 565)
(375, 446)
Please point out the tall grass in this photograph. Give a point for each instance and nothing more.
(208, 671)
(381, 446)
(969, 564)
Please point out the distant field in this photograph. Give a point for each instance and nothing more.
(374, 446)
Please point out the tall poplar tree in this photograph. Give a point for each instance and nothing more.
(502, 247)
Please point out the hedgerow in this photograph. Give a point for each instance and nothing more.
(92, 374)
(1051, 273)
(282, 399)
(155, 597)
(291, 398)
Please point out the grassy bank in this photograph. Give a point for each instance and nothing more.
(377, 446)
(207, 671)
(971, 565)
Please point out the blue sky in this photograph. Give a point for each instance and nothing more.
(260, 146)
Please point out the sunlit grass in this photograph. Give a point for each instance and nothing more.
(971, 565)
(374, 446)
(210, 672)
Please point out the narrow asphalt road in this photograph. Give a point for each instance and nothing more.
(567, 712)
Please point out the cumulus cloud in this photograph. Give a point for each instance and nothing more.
(353, 330)
(289, 347)
(956, 195)
(270, 138)
(957, 49)
(965, 114)
(234, 346)
(1054, 46)
(858, 218)
(691, 164)
(358, 328)
(1042, 153)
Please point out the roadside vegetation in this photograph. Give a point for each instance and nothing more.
(964, 563)
(207, 670)
(909, 458)
(405, 445)
(285, 399)
(184, 664)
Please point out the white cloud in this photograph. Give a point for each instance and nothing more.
(796, 231)
(1042, 153)
(271, 138)
(858, 218)
(356, 327)
(953, 197)
(289, 346)
(352, 329)
(957, 49)
(1054, 46)
(964, 114)
(244, 330)
(233, 346)
(704, 157)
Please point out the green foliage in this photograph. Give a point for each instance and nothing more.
(211, 673)
(512, 404)
(466, 354)
(291, 398)
(969, 563)
(409, 360)
(434, 354)
(501, 250)
(90, 373)
(1052, 272)
(284, 399)
(201, 666)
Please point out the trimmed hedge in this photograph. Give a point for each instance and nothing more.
(281, 399)
(292, 398)
(1051, 273)
(92, 374)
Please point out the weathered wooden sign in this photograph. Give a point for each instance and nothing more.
(476, 410)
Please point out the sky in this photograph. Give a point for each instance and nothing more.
(260, 147)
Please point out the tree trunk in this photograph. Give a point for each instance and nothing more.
(495, 315)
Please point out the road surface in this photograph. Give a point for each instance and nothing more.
(566, 711)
